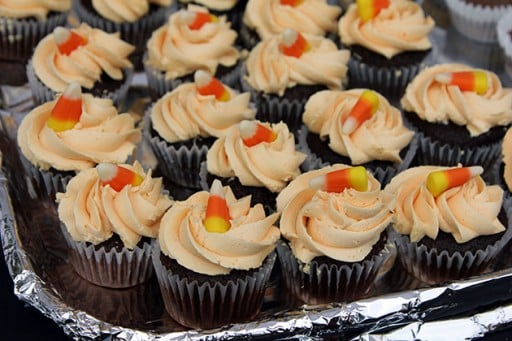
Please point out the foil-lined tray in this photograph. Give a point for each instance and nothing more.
(396, 307)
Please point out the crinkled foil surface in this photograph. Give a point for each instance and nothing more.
(397, 307)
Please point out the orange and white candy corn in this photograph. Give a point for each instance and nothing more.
(117, 177)
(67, 41)
(293, 43)
(365, 107)
(67, 110)
(196, 20)
(217, 217)
(368, 9)
(475, 81)
(208, 85)
(253, 132)
(440, 181)
(337, 181)
(293, 3)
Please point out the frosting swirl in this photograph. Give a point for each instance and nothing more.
(506, 149)
(271, 71)
(381, 137)
(465, 211)
(343, 226)
(184, 114)
(125, 11)
(219, 5)
(440, 103)
(101, 135)
(256, 165)
(103, 53)
(32, 8)
(270, 17)
(400, 27)
(179, 50)
(244, 246)
(92, 212)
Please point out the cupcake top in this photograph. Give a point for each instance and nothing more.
(99, 135)
(313, 60)
(271, 17)
(93, 210)
(185, 113)
(97, 53)
(126, 11)
(38, 9)
(269, 164)
(219, 5)
(438, 94)
(380, 137)
(250, 237)
(506, 149)
(400, 27)
(466, 211)
(342, 225)
(179, 50)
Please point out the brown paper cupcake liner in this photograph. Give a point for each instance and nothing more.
(327, 283)
(210, 304)
(113, 268)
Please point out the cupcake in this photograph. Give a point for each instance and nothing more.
(73, 133)
(109, 215)
(448, 224)
(254, 158)
(22, 25)
(134, 20)
(264, 19)
(214, 258)
(504, 36)
(387, 48)
(356, 127)
(281, 72)
(334, 221)
(184, 123)
(97, 60)
(232, 9)
(504, 168)
(476, 19)
(459, 121)
(191, 40)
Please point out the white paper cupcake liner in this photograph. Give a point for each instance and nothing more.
(475, 21)
(42, 94)
(111, 269)
(207, 305)
(503, 28)
(317, 283)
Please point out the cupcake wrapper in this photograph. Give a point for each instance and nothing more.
(20, 36)
(248, 37)
(180, 165)
(503, 28)
(324, 283)
(436, 153)
(205, 305)
(43, 94)
(111, 269)
(475, 22)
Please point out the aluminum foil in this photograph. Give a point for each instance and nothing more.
(398, 307)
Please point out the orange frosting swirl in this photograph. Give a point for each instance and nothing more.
(32, 8)
(125, 11)
(506, 149)
(219, 5)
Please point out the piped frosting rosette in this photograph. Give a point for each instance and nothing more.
(381, 135)
(333, 234)
(84, 55)
(93, 210)
(33, 8)
(126, 11)
(447, 226)
(197, 264)
(219, 5)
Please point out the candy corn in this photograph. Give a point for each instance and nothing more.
(440, 181)
(196, 20)
(293, 43)
(217, 217)
(336, 181)
(466, 80)
(293, 3)
(116, 176)
(67, 41)
(368, 9)
(67, 110)
(365, 107)
(208, 85)
(253, 133)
